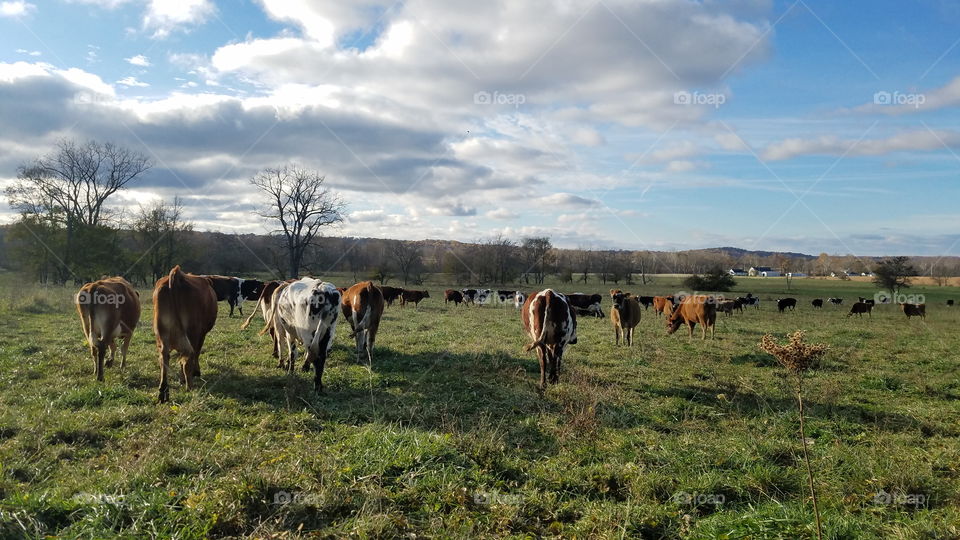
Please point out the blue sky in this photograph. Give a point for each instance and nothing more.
(798, 126)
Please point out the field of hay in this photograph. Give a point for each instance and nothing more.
(447, 436)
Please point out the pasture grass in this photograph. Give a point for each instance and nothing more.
(447, 436)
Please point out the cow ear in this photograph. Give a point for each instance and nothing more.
(612, 292)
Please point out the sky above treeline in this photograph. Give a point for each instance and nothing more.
(808, 126)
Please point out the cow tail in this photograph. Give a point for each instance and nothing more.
(365, 321)
(548, 297)
(174, 278)
(256, 308)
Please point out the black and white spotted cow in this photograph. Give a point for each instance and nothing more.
(305, 312)
(518, 299)
(586, 304)
(506, 297)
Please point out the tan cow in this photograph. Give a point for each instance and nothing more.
(184, 311)
(109, 310)
(551, 323)
(625, 315)
(692, 310)
(663, 304)
(362, 307)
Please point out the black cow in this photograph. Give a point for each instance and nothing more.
(645, 301)
(835, 301)
(784, 303)
(817, 303)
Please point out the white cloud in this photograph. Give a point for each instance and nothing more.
(29, 53)
(502, 214)
(138, 60)
(132, 81)
(567, 199)
(360, 216)
(919, 140)
(16, 9)
(166, 16)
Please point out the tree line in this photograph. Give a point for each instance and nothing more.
(67, 231)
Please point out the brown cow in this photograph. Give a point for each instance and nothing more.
(451, 295)
(362, 307)
(551, 323)
(390, 293)
(109, 310)
(624, 315)
(914, 310)
(860, 308)
(727, 306)
(413, 296)
(692, 310)
(264, 303)
(184, 310)
(662, 304)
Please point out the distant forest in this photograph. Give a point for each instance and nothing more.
(143, 256)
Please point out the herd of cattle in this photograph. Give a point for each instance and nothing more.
(303, 313)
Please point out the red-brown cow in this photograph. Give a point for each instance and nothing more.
(109, 310)
(362, 307)
(551, 322)
(914, 310)
(413, 296)
(625, 315)
(184, 310)
(692, 310)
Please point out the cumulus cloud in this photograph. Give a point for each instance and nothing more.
(166, 16)
(367, 216)
(502, 214)
(16, 9)
(568, 199)
(131, 81)
(29, 53)
(138, 60)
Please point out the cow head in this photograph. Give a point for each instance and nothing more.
(619, 298)
(674, 321)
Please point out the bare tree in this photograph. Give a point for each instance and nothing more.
(536, 256)
(408, 258)
(300, 202)
(160, 232)
(74, 183)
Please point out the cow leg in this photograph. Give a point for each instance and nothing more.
(291, 353)
(186, 370)
(98, 359)
(541, 355)
(276, 343)
(554, 362)
(195, 357)
(164, 363)
(319, 361)
(123, 351)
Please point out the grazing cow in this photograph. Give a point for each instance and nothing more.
(551, 323)
(184, 311)
(817, 303)
(413, 296)
(950, 302)
(645, 301)
(506, 297)
(727, 306)
(451, 295)
(469, 295)
(227, 288)
(870, 301)
(784, 303)
(749, 300)
(860, 308)
(305, 312)
(914, 310)
(109, 310)
(390, 293)
(250, 289)
(663, 304)
(586, 304)
(264, 302)
(625, 315)
(694, 309)
(483, 297)
(362, 307)
(835, 301)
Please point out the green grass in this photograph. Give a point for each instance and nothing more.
(448, 436)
